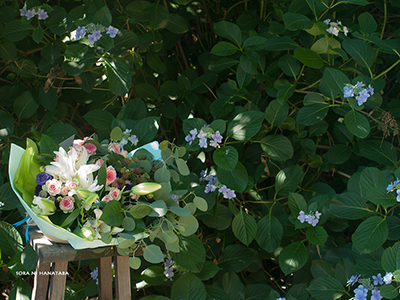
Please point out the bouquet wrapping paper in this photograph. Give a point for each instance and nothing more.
(23, 183)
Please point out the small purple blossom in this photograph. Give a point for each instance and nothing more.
(202, 134)
(360, 293)
(223, 189)
(41, 178)
(327, 21)
(203, 175)
(95, 275)
(377, 279)
(301, 217)
(203, 142)
(210, 188)
(392, 185)
(133, 139)
(376, 294)
(229, 194)
(175, 198)
(23, 11)
(348, 92)
(30, 14)
(370, 89)
(80, 32)
(388, 278)
(353, 279)
(216, 139)
(112, 31)
(362, 97)
(94, 37)
(42, 14)
(189, 139)
(169, 271)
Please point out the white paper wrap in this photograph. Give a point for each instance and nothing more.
(59, 233)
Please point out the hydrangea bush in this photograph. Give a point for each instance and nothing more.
(287, 113)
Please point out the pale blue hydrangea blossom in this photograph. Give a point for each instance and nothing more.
(94, 32)
(205, 133)
(37, 10)
(310, 218)
(362, 94)
(168, 269)
(336, 27)
(112, 31)
(377, 279)
(388, 278)
(360, 293)
(376, 294)
(281, 298)
(353, 279)
(213, 185)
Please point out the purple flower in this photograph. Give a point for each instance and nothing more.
(388, 278)
(210, 187)
(362, 97)
(370, 89)
(353, 279)
(348, 92)
(203, 142)
(376, 294)
(41, 178)
(216, 139)
(189, 139)
(175, 198)
(229, 194)
(112, 31)
(95, 275)
(327, 21)
(30, 14)
(203, 175)
(312, 220)
(301, 217)
(42, 14)
(193, 132)
(80, 32)
(377, 279)
(392, 185)
(223, 189)
(95, 36)
(23, 11)
(202, 134)
(360, 293)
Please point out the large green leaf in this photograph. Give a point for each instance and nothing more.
(295, 21)
(293, 257)
(17, 30)
(220, 219)
(152, 253)
(326, 288)
(312, 114)
(309, 58)
(280, 44)
(229, 31)
(188, 287)
(99, 119)
(357, 124)
(370, 234)
(361, 51)
(335, 79)
(177, 24)
(349, 206)
(157, 14)
(367, 23)
(235, 258)
(191, 255)
(269, 233)
(11, 241)
(25, 105)
(277, 147)
(111, 214)
(119, 76)
(226, 157)
(391, 258)
(276, 113)
(221, 106)
(235, 179)
(244, 227)
(317, 235)
(338, 154)
(380, 151)
(289, 65)
(224, 49)
(288, 179)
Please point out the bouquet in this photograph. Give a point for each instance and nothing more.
(95, 193)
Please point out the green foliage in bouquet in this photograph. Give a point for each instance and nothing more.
(278, 131)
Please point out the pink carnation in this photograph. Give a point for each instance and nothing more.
(90, 148)
(114, 192)
(111, 175)
(67, 204)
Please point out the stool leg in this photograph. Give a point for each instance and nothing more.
(57, 282)
(41, 282)
(105, 278)
(122, 277)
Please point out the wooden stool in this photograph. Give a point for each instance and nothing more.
(57, 256)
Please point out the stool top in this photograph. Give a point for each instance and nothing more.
(56, 252)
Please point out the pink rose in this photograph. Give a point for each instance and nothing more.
(99, 162)
(90, 148)
(114, 192)
(111, 175)
(53, 187)
(113, 147)
(71, 185)
(107, 198)
(67, 204)
(64, 191)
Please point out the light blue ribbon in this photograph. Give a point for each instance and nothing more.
(27, 218)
